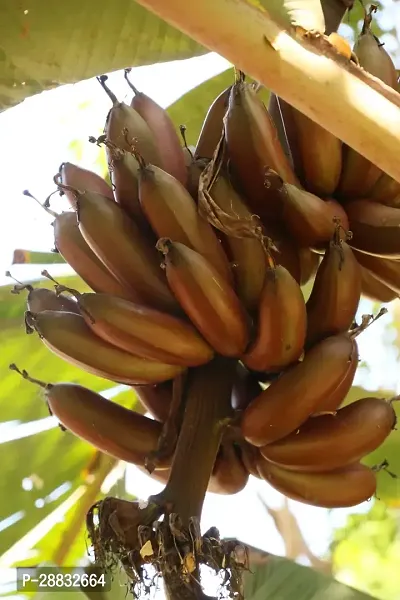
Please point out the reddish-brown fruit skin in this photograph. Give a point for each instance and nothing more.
(40, 299)
(111, 428)
(207, 299)
(309, 219)
(335, 398)
(144, 331)
(212, 127)
(82, 179)
(250, 458)
(336, 293)
(125, 127)
(123, 247)
(78, 254)
(309, 262)
(320, 153)
(375, 228)
(124, 175)
(329, 442)
(156, 399)
(297, 394)
(254, 147)
(338, 212)
(163, 130)
(336, 489)
(173, 213)
(68, 336)
(386, 191)
(245, 388)
(386, 271)
(373, 289)
(281, 324)
(247, 254)
(287, 252)
(229, 475)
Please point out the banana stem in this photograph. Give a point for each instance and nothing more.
(306, 72)
(208, 405)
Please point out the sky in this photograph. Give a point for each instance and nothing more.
(36, 137)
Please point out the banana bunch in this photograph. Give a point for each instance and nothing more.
(197, 253)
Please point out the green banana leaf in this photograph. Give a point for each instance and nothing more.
(281, 579)
(76, 40)
(28, 257)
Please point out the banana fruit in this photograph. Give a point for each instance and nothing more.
(359, 175)
(248, 258)
(68, 336)
(125, 128)
(281, 324)
(335, 295)
(124, 249)
(336, 489)
(156, 399)
(172, 213)
(298, 393)
(328, 442)
(168, 143)
(254, 149)
(143, 331)
(375, 228)
(72, 246)
(132, 437)
(81, 179)
(207, 298)
(213, 126)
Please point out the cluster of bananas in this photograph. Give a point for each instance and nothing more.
(239, 227)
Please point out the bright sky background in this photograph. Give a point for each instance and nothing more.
(35, 140)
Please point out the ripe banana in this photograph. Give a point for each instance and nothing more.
(247, 253)
(72, 246)
(250, 458)
(163, 130)
(81, 179)
(172, 213)
(386, 191)
(336, 397)
(309, 219)
(40, 299)
(156, 399)
(373, 289)
(281, 326)
(359, 175)
(245, 388)
(254, 148)
(124, 249)
(125, 127)
(335, 295)
(68, 336)
(124, 175)
(309, 262)
(287, 253)
(229, 475)
(375, 228)
(295, 395)
(386, 271)
(320, 155)
(336, 489)
(329, 442)
(143, 331)
(213, 126)
(111, 428)
(207, 298)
